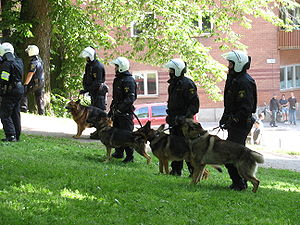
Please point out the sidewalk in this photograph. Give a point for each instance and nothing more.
(284, 137)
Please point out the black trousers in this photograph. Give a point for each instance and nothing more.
(124, 122)
(237, 135)
(10, 115)
(39, 93)
(98, 101)
(178, 165)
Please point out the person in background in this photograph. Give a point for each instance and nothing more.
(240, 101)
(94, 78)
(274, 108)
(121, 108)
(258, 129)
(183, 101)
(11, 92)
(292, 108)
(283, 102)
(35, 81)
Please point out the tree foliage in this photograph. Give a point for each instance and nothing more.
(167, 29)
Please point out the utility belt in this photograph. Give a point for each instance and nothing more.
(7, 88)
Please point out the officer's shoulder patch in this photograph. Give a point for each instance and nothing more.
(242, 94)
(192, 90)
(32, 66)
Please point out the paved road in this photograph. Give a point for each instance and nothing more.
(285, 137)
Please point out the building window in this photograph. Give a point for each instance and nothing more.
(204, 23)
(290, 77)
(146, 23)
(147, 82)
(291, 16)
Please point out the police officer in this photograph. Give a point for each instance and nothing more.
(94, 78)
(121, 108)
(240, 101)
(11, 91)
(183, 101)
(35, 80)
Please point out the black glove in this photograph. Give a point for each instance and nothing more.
(81, 92)
(227, 121)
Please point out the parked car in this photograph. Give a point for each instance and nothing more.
(154, 112)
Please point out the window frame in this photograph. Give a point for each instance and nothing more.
(291, 14)
(145, 82)
(285, 75)
(200, 24)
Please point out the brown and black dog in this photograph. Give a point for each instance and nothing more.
(210, 149)
(167, 147)
(114, 137)
(81, 114)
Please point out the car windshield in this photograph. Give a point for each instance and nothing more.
(142, 112)
(159, 111)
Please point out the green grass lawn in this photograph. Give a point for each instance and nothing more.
(45, 180)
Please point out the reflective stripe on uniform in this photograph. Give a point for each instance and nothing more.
(5, 75)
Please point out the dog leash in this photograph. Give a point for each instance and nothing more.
(137, 118)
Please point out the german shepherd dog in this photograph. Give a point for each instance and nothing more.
(81, 115)
(167, 147)
(114, 137)
(210, 149)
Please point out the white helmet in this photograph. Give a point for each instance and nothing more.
(5, 48)
(88, 52)
(32, 50)
(239, 58)
(177, 64)
(122, 62)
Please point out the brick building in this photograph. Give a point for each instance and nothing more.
(275, 67)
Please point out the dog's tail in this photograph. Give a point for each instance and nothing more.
(259, 158)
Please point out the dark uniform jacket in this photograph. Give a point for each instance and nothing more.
(93, 77)
(183, 98)
(36, 66)
(11, 70)
(274, 104)
(240, 98)
(124, 93)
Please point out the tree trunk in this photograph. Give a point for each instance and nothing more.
(37, 12)
(4, 6)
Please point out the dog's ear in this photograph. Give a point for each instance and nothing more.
(161, 127)
(148, 124)
(78, 101)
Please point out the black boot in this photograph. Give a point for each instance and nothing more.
(119, 153)
(238, 183)
(240, 186)
(128, 159)
(175, 172)
(10, 139)
(177, 167)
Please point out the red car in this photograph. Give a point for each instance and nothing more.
(154, 112)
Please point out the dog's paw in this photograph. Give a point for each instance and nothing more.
(76, 136)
